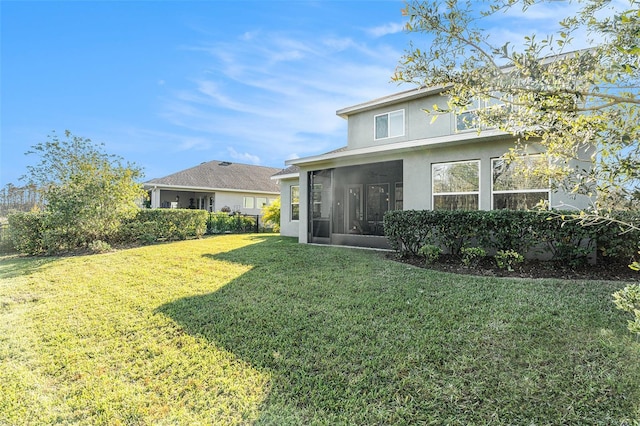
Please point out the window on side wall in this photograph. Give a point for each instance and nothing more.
(456, 186)
(389, 125)
(515, 187)
(261, 202)
(247, 202)
(295, 202)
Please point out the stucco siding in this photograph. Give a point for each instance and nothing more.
(417, 123)
(288, 227)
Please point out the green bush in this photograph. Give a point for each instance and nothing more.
(471, 256)
(628, 300)
(430, 253)
(560, 236)
(508, 259)
(38, 233)
(168, 224)
(99, 246)
(26, 231)
(221, 223)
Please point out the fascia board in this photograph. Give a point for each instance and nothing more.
(150, 186)
(458, 138)
(390, 100)
(287, 176)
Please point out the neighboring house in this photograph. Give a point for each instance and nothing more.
(397, 157)
(216, 186)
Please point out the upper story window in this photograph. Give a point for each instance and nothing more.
(468, 119)
(456, 186)
(389, 125)
(514, 190)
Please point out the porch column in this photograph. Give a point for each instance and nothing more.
(155, 198)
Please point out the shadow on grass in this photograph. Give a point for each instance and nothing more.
(350, 339)
(12, 266)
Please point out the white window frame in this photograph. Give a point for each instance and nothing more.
(248, 202)
(261, 202)
(392, 132)
(546, 190)
(478, 104)
(434, 194)
(292, 203)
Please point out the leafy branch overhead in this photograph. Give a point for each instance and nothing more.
(581, 105)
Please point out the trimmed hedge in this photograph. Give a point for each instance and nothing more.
(221, 223)
(33, 233)
(151, 225)
(557, 235)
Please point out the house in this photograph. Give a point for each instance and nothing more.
(216, 186)
(397, 157)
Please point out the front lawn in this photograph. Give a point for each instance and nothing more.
(258, 329)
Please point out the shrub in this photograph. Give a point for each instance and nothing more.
(271, 215)
(99, 246)
(560, 235)
(471, 256)
(507, 259)
(430, 252)
(628, 300)
(26, 231)
(171, 224)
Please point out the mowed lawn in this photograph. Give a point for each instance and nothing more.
(257, 329)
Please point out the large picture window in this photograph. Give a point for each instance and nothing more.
(295, 202)
(515, 187)
(456, 186)
(389, 125)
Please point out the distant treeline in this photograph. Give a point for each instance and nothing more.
(19, 198)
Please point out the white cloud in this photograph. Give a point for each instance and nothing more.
(286, 89)
(244, 157)
(386, 29)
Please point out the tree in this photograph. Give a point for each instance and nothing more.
(580, 105)
(87, 193)
(271, 214)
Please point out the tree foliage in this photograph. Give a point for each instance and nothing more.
(271, 214)
(87, 192)
(581, 105)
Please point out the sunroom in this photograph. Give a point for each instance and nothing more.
(347, 204)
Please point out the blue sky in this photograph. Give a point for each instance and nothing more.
(169, 85)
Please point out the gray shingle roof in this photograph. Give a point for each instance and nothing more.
(222, 175)
(289, 170)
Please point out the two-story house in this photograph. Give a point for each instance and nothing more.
(397, 157)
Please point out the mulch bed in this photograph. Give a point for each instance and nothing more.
(529, 269)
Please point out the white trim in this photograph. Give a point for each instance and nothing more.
(402, 146)
(390, 99)
(389, 136)
(286, 176)
(434, 194)
(546, 190)
(150, 186)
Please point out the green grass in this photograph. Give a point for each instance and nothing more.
(257, 329)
